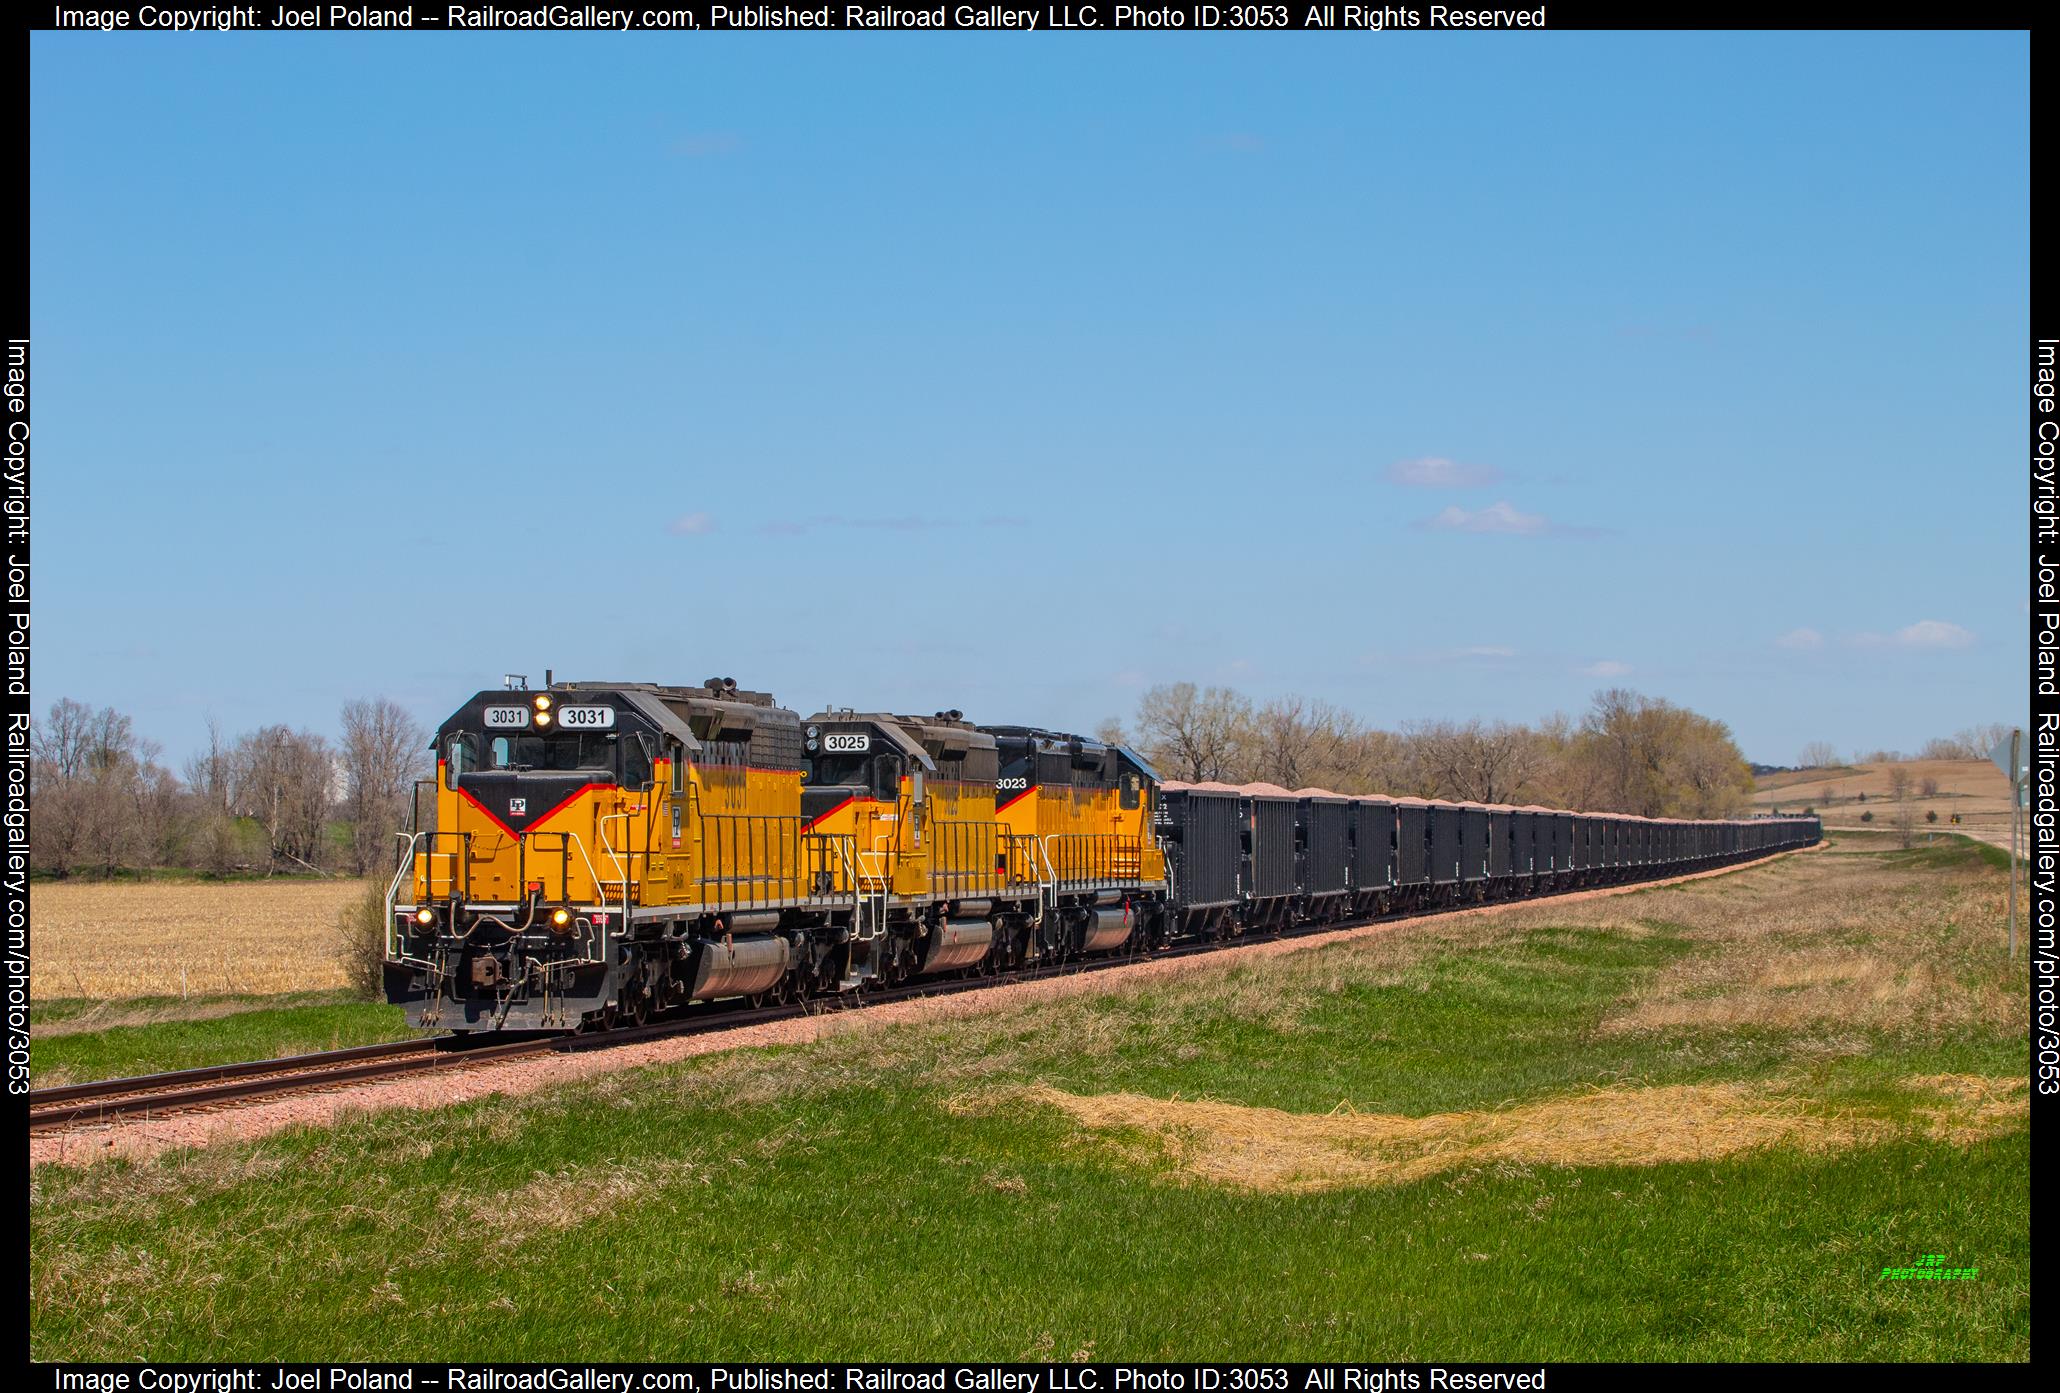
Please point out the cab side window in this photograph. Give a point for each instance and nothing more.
(636, 761)
(1131, 784)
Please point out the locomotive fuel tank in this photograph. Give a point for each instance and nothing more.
(743, 966)
(957, 943)
(1105, 928)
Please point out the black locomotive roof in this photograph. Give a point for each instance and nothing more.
(664, 710)
(641, 705)
(1144, 766)
(909, 735)
(1043, 737)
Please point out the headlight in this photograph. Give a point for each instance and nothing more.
(561, 917)
(543, 703)
(543, 718)
(425, 916)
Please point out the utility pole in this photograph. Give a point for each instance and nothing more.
(2009, 757)
(2016, 738)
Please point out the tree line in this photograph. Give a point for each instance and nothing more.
(1975, 742)
(1629, 753)
(268, 801)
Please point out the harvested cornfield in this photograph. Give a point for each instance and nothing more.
(129, 939)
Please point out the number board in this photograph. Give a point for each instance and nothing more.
(507, 717)
(838, 744)
(586, 717)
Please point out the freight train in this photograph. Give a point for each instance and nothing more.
(590, 854)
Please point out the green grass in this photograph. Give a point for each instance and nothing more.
(160, 1034)
(875, 1195)
(1932, 848)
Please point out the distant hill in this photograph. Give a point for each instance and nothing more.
(1973, 788)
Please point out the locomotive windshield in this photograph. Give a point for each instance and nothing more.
(620, 754)
(564, 750)
(841, 769)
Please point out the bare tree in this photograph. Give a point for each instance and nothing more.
(1899, 782)
(1975, 742)
(1631, 753)
(382, 756)
(1655, 759)
(284, 782)
(1906, 822)
(1928, 787)
(1819, 754)
(1193, 734)
(214, 843)
(1296, 743)
(102, 802)
(59, 787)
(1478, 763)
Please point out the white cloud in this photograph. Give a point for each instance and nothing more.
(1608, 667)
(1496, 517)
(1472, 653)
(1933, 633)
(1437, 472)
(691, 525)
(1801, 640)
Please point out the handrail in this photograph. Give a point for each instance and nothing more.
(844, 844)
(1103, 853)
(741, 852)
(1051, 876)
(616, 857)
(405, 862)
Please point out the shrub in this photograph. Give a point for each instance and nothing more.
(361, 942)
(1931, 815)
(1866, 817)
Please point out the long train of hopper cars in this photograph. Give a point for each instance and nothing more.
(595, 853)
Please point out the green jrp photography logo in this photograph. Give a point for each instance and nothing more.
(1931, 1267)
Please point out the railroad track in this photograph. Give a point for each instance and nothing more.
(189, 1089)
(180, 1091)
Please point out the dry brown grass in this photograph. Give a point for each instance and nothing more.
(1973, 788)
(561, 1200)
(107, 1015)
(1833, 943)
(1265, 1149)
(130, 939)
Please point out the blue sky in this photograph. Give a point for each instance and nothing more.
(1431, 375)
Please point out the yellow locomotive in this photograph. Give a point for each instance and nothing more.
(597, 852)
